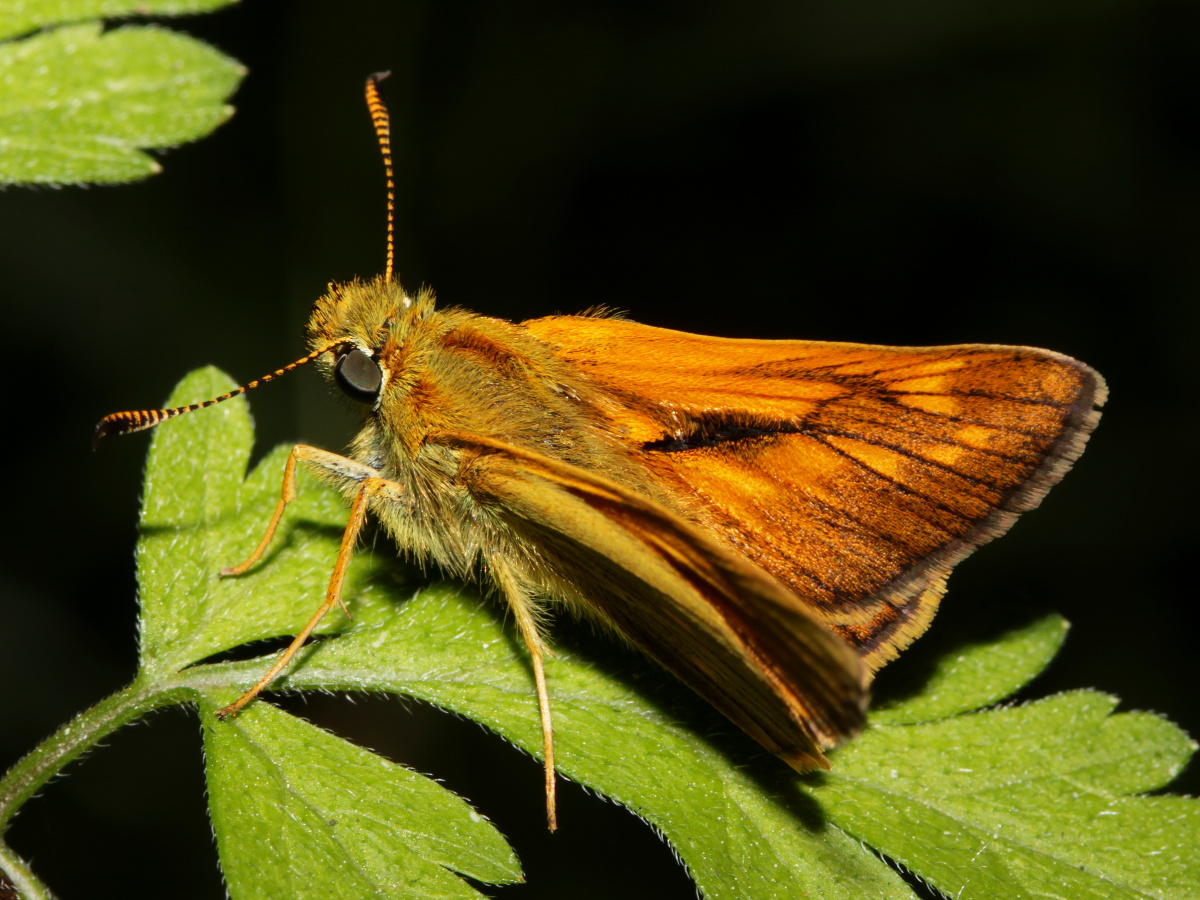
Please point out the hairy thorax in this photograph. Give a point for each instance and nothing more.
(448, 372)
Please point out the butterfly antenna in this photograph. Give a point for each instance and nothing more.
(383, 131)
(141, 419)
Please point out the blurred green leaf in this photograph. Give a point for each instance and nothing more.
(21, 16)
(79, 105)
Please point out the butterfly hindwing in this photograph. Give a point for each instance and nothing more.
(721, 625)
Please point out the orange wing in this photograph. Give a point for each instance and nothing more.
(856, 475)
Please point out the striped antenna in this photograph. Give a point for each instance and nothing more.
(141, 419)
(383, 131)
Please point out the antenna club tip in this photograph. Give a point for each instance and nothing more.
(377, 77)
(103, 427)
(125, 422)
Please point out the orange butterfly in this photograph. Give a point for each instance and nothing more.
(770, 520)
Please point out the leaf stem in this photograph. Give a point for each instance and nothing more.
(19, 875)
(75, 738)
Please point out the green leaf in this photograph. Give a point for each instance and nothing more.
(29, 15)
(1026, 802)
(447, 647)
(977, 674)
(736, 839)
(299, 812)
(198, 517)
(77, 105)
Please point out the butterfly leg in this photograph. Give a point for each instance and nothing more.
(525, 614)
(369, 488)
(330, 462)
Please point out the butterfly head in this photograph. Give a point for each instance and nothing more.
(368, 329)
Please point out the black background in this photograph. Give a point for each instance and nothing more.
(1021, 172)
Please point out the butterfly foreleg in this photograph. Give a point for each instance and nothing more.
(331, 462)
(370, 487)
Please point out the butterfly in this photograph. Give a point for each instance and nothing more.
(770, 520)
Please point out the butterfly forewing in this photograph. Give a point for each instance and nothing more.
(856, 475)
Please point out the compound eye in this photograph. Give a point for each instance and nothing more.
(359, 376)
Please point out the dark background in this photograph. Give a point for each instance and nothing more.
(1021, 172)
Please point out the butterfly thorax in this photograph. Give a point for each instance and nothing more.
(446, 372)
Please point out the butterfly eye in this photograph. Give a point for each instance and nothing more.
(359, 376)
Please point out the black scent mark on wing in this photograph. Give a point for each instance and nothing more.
(713, 430)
